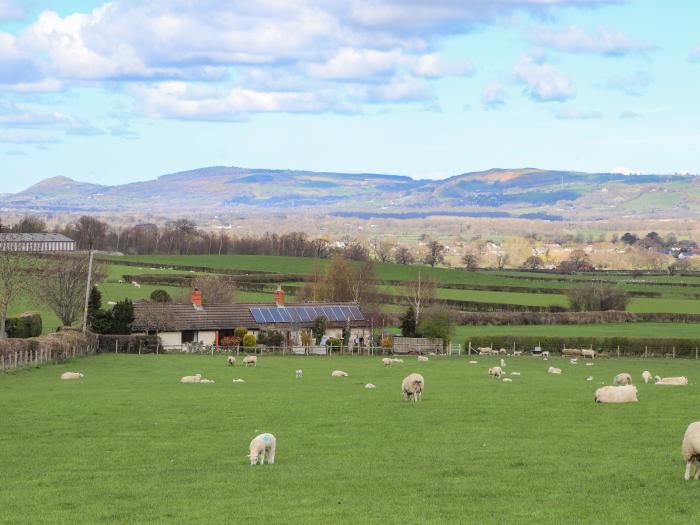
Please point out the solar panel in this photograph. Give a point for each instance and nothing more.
(306, 314)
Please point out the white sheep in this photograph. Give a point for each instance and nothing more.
(589, 378)
(646, 376)
(387, 361)
(238, 381)
(515, 373)
(485, 350)
(518, 353)
(502, 351)
(71, 375)
(545, 354)
(261, 447)
(370, 386)
(250, 360)
(589, 364)
(136, 285)
(503, 363)
(495, 371)
(473, 362)
(573, 361)
(231, 360)
(197, 378)
(339, 373)
(553, 370)
(299, 374)
(422, 358)
(691, 449)
(588, 353)
(622, 378)
(395, 360)
(682, 380)
(412, 387)
(507, 380)
(616, 394)
(207, 381)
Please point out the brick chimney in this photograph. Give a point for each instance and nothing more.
(196, 298)
(279, 296)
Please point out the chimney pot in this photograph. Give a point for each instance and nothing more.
(279, 296)
(197, 299)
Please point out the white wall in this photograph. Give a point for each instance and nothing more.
(170, 339)
(206, 338)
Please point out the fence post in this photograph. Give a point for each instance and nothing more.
(674, 352)
(646, 348)
(470, 347)
(696, 352)
(618, 350)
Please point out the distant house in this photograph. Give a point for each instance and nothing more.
(35, 242)
(179, 324)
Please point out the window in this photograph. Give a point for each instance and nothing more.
(188, 336)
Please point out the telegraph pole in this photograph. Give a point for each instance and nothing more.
(87, 291)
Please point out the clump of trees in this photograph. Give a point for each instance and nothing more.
(597, 298)
(116, 321)
(341, 282)
(435, 323)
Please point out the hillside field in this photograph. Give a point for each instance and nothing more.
(129, 443)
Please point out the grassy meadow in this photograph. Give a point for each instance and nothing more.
(130, 444)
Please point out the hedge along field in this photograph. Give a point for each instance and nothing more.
(129, 443)
(673, 330)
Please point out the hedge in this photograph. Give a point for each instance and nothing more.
(24, 326)
(545, 318)
(477, 305)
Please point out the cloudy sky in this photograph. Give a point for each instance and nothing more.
(132, 89)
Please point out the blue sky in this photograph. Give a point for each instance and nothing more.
(133, 89)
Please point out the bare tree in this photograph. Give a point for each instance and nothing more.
(470, 261)
(363, 283)
(383, 250)
(157, 318)
(215, 290)
(404, 256)
(501, 260)
(420, 292)
(15, 269)
(64, 278)
(436, 253)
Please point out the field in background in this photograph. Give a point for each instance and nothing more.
(129, 443)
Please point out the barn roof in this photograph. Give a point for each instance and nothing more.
(34, 237)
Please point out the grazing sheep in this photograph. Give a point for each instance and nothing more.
(503, 363)
(263, 446)
(238, 381)
(207, 381)
(571, 352)
(691, 449)
(589, 364)
(545, 354)
(422, 358)
(622, 379)
(136, 285)
(495, 371)
(299, 374)
(250, 360)
(518, 353)
(502, 351)
(231, 360)
(370, 386)
(507, 380)
(473, 362)
(553, 370)
(616, 394)
(682, 380)
(589, 378)
(515, 373)
(197, 378)
(387, 361)
(588, 353)
(646, 376)
(71, 375)
(412, 387)
(111, 303)
(339, 373)
(395, 360)
(484, 350)
(573, 361)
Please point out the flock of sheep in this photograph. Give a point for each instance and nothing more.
(263, 446)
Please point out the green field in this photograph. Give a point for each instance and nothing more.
(130, 444)
(677, 330)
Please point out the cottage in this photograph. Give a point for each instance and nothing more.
(180, 324)
(35, 242)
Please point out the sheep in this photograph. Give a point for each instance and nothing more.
(622, 379)
(71, 375)
(507, 380)
(197, 378)
(682, 380)
(238, 381)
(136, 285)
(339, 373)
(646, 376)
(571, 352)
(588, 353)
(545, 354)
(518, 353)
(370, 386)
(299, 374)
(422, 358)
(261, 447)
(231, 360)
(502, 351)
(395, 360)
(484, 350)
(495, 371)
(589, 364)
(616, 394)
(250, 360)
(503, 363)
(553, 370)
(207, 381)
(412, 387)
(387, 361)
(573, 361)
(589, 378)
(691, 449)
(473, 362)
(515, 373)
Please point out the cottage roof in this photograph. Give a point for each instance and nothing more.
(34, 237)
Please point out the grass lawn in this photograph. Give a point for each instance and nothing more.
(129, 443)
(681, 330)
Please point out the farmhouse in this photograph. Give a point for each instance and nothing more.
(180, 324)
(35, 242)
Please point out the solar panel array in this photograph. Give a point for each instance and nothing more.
(305, 314)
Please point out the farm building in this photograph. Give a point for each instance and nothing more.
(35, 242)
(180, 324)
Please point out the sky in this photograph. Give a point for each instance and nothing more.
(130, 90)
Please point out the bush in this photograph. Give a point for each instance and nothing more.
(230, 340)
(161, 296)
(437, 323)
(240, 333)
(249, 341)
(334, 343)
(24, 326)
(597, 298)
(271, 338)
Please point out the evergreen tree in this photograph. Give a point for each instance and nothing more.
(408, 323)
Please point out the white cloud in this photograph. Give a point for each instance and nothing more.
(434, 65)
(574, 39)
(355, 64)
(543, 83)
(570, 113)
(493, 96)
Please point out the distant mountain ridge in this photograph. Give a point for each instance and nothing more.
(523, 192)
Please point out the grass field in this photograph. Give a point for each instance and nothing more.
(679, 330)
(130, 444)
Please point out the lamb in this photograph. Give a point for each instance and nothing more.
(573, 361)
(495, 371)
(518, 353)
(197, 378)
(299, 374)
(589, 378)
(691, 449)
(261, 447)
(588, 353)
(616, 394)
(136, 285)
(339, 373)
(395, 360)
(370, 386)
(553, 370)
(484, 350)
(507, 380)
(71, 375)
(422, 358)
(502, 351)
(250, 360)
(412, 387)
(473, 362)
(589, 364)
(515, 373)
(682, 380)
(231, 360)
(238, 381)
(622, 379)
(387, 361)
(503, 363)
(207, 381)
(646, 376)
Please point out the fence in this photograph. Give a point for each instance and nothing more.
(53, 348)
(197, 348)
